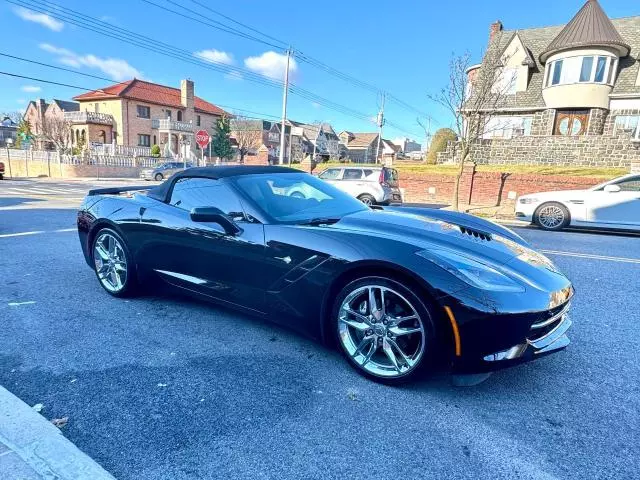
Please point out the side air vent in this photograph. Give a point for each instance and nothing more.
(476, 234)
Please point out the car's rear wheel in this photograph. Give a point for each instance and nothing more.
(384, 330)
(113, 263)
(367, 199)
(551, 216)
(158, 177)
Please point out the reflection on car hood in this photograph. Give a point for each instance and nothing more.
(557, 195)
(462, 233)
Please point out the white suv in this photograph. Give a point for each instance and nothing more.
(371, 185)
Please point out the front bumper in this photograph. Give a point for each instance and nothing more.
(524, 211)
(546, 335)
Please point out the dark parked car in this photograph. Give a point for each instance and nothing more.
(1, 170)
(400, 290)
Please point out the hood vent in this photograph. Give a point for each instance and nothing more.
(476, 234)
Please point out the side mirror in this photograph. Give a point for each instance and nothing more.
(215, 215)
(612, 188)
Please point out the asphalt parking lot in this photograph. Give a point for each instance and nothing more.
(171, 388)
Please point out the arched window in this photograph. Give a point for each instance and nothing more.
(102, 136)
(83, 135)
(77, 136)
(179, 116)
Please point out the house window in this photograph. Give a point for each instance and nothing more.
(96, 108)
(179, 115)
(585, 72)
(571, 122)
(198, 121)
(144, 140)
(154, 140)
(168, 114)
(627, 123)
(557, 72)
(508, 127)
(143, 112)
(582, 69)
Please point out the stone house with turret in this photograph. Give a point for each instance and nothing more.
(573, 94)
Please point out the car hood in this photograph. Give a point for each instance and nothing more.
(461, 233)
(558, 195)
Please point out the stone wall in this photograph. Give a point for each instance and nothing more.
(586, 151)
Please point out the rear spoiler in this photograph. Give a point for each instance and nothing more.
(116, 190)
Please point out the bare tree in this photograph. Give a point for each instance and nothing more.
(15, 117)
(57, 131)
(298, 150)
(473, 98)
(248, 135)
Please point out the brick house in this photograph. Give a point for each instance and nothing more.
(39, 111)
(359, 147)
(8, 131)
(137, 113)
(573, 96)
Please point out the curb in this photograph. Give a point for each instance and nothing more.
(34, 441)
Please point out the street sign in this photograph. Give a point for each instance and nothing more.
(202, 138)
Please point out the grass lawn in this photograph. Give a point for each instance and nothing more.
(532, 169)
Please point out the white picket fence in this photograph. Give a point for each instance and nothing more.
(122, 150)
(55, 158)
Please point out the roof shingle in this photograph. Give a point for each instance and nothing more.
(151, 93)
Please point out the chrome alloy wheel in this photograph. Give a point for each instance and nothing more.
(551, 216)
(110, 261)
(381, 331)
(367, 201)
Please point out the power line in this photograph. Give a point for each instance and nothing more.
(299, 55)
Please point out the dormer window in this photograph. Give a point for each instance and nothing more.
(582, 69)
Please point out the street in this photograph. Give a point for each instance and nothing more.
(166, 387)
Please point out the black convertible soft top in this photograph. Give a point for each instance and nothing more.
(162, 191)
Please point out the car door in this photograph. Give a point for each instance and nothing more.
(616, 208)
(353, 182)
(201, 256)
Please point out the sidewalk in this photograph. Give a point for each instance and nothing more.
(31, 448)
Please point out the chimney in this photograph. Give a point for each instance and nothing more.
(186, 94)
(495, 28)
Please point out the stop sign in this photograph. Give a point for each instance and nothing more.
(202, 138)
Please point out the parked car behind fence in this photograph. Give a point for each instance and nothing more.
(371, 185)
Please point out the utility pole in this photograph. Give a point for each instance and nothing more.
(284, 107)
(380, 122)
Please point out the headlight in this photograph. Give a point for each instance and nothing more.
(527, 201)
(472, 272)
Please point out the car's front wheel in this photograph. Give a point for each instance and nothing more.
(159, 177)
(551, 216)
(113, 263)
(384, 330)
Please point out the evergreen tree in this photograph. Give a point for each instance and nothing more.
(24, 133)
(221, 143)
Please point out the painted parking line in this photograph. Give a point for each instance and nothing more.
(23, 234)
(592, 257)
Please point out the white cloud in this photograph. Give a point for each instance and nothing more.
(315, 104)
(115, 68)
(41, 18)
(107, 18)
(30, 88)
(215, 56)
(271, 65)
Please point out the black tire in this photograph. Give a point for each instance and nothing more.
(367, 199)
(552, 216)
(426, 361)
(130, 285)
(1, 177)
(158, 177)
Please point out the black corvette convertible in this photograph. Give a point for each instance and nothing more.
(400, 290)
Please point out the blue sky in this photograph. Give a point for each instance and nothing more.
(403, 47)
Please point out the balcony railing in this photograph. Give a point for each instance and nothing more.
(167, 124)
(89, 117)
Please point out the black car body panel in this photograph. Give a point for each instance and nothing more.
(288, 272)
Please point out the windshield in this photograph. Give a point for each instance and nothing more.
(297, 197)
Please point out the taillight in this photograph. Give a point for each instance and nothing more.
(381, 179)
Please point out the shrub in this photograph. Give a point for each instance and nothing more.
(155, 151)
(439, 143)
